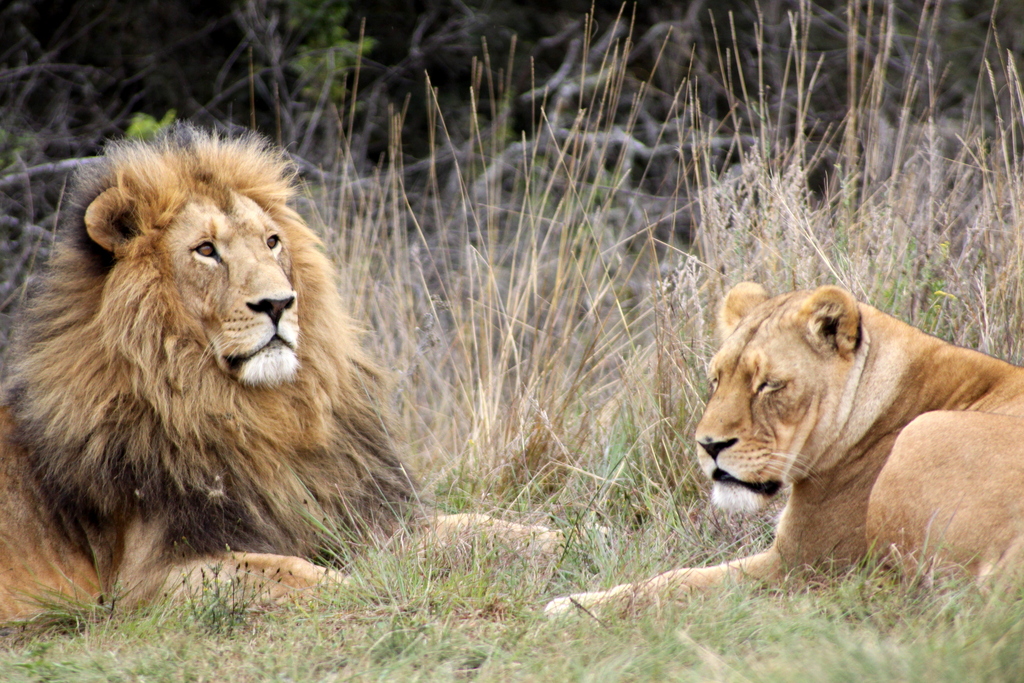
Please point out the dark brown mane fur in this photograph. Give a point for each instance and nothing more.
(126, 416)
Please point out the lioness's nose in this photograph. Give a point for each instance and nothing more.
(272, 307)
(713, 448)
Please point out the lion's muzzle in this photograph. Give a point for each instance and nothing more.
(274, 308)
(268, 344)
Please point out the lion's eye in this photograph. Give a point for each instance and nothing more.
(207, 249)
(273, 241)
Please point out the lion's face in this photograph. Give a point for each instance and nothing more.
(780, 390)
(232, 269)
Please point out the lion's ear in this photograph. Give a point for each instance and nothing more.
(740, 300)
(108, 219)
(833, 319)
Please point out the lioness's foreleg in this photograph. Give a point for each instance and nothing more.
(669, 585)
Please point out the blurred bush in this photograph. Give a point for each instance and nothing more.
(323, 77)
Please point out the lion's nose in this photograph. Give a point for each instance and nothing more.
(713, 448)
(272, 307)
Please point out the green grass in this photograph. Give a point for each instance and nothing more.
(549, 342)
(482, 624)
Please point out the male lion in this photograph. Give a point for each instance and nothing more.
(889, 438)
(186, 398)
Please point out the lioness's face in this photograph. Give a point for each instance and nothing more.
(777, 390)
(232, 267)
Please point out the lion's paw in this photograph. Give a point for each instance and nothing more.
(547, 542)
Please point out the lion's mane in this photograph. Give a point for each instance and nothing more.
(126, 415)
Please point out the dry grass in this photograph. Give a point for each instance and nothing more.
(548, 327)
(549, 335)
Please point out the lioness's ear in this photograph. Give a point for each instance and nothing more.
(108, 219)
(740, 300)
(833, 319)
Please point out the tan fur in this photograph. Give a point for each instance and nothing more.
(889, 439)
(186, 398)
(740, 300)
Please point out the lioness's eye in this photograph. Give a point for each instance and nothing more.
(207, 249)
(273, 241)
(770, 385)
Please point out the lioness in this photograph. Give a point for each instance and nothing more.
(890, 439)
(187, 398)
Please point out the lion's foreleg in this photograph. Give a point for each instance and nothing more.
(668, 586)
(262, 578)
(448, 530)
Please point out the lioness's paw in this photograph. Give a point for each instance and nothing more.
(559, 607)
(574, 604)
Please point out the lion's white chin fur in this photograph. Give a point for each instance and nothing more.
(275, 364)
(733, 498)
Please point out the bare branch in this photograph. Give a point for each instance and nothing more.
(56, 167)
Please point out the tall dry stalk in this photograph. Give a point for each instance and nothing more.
(549, 340)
